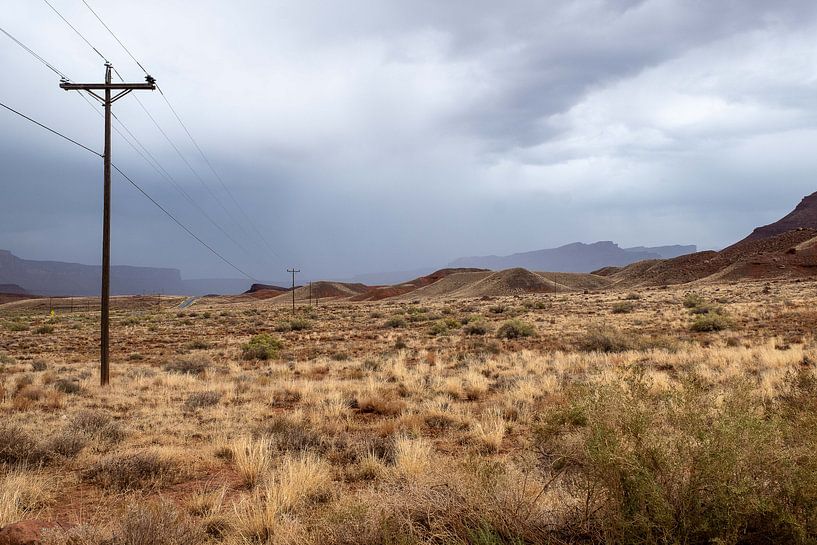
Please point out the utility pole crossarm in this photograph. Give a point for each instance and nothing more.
(112, 86)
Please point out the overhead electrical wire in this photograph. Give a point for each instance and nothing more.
(161, 170)
(75, 30)
(195, 173)
(35, 55)
(65, 77)
(189, 134)
(98, 18)
(135, 185)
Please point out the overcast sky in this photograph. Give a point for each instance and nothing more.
(365, 136)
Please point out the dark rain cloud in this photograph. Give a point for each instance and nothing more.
(366, 135)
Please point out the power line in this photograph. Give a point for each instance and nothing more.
(98, 18)
(75, 30)
(161, 170)
(134, 184)
(35, 55)
(9, 108)
(180, 224)
(189, 134)
(215, 173)
(231, 238)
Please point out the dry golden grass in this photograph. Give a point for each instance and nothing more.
(356, 432)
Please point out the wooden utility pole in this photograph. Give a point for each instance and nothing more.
(310, 293)
(107, 101)
(293, 271)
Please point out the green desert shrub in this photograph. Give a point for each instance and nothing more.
(688, 464)
(710, 321)
(515, 329)
(299, 324)
(443, 327)
(261, 347)
(16, 326)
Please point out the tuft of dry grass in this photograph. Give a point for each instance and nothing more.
(412, 456)
(489, 430)
(24, 494)
(252, 459)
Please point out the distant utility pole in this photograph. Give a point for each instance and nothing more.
(293, 271)
(310, 293)
(107, 102)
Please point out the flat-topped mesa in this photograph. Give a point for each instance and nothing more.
(803, 216)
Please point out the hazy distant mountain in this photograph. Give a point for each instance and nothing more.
(576, 257)
(59, 278)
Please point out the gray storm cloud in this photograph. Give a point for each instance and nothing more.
(370, 136)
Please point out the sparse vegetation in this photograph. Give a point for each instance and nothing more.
(199, 400)
(622, 307)
(396, 321)
(604, 428)
(193, 365)
(133, 471)
(606, 339)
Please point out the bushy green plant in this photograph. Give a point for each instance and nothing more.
(688, 464)
(444, 327)
(711, 321)
(261, 347)
(299, 324)
(515, 329)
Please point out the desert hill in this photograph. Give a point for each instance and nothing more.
(792, 254)
(377, 293)
(784, 249)
(480, 284)
(575, 257)
(804, 215)
(322, 290)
